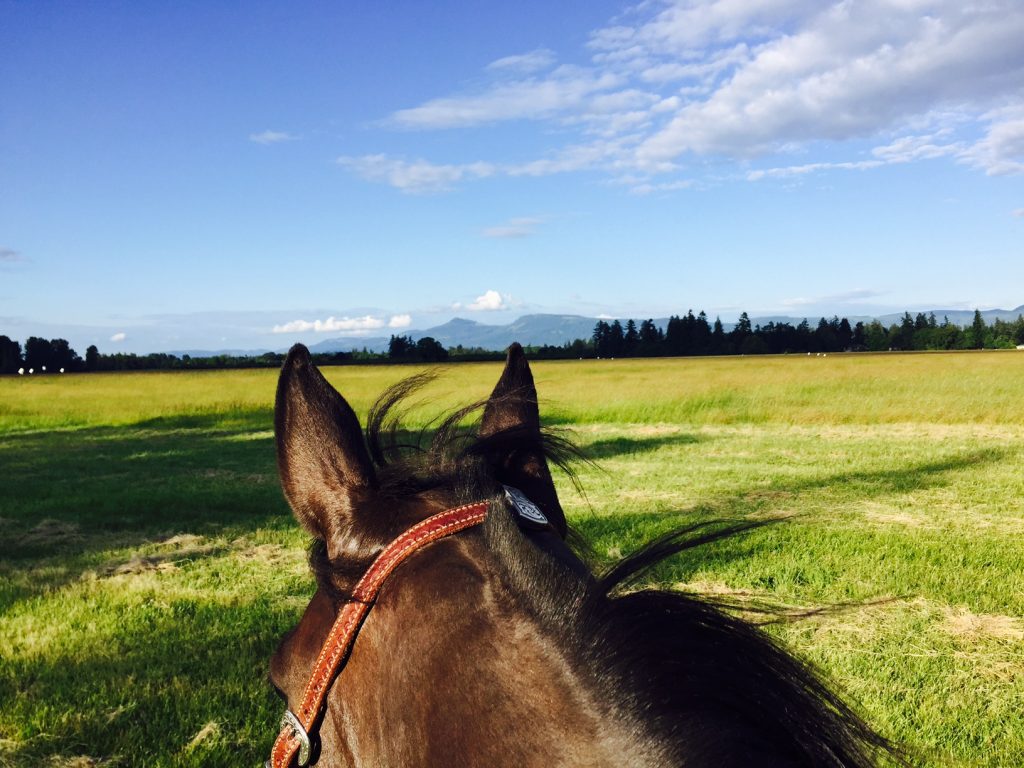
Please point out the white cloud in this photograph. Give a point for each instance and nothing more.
(271, 137)
(1019, 213)
(488, 302)
(400, 321)
(345, 325)
(683, 80)
(514, 228)
(532, 61)
(850, 71)
(119, 337)
(415, 177)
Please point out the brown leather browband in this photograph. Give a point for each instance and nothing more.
(346, 626)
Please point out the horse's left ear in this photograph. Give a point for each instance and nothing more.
(513, 406)
(325, 469)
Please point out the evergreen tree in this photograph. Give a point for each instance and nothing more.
(400, 347)
(978, 331)
(719, 342)
(631, 339)
(616, 339)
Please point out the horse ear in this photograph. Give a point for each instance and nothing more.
(512, 406)
(321, 455)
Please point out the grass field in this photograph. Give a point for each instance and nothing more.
(148, 564)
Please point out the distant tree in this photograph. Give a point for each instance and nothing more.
(630, 339)
(63, 356)
(826, 336)
(400, 347)
(37, 353)
(10, 355)
(616, 339)
(845, 335)
(902, 336)
(719, 341)
(858, 342)
(978, 331)
(876, 337)
(429, 350)
(754, 345)
(601, 339)
(650, 338)
(740, 333)
(92, 358)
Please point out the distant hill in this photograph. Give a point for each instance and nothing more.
(528, 329)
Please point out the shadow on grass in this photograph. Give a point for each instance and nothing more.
(628, 446)
(632, 530)
(80, 495)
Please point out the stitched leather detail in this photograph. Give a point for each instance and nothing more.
(346, 626)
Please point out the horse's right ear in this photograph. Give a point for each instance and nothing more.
(321, 455)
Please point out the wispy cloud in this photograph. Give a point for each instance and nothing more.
(414, 177)
(271, 137)
(514, 228)
(9, 256)
(119, 337)
(567, 88)
(1001, 151)
(346, 326)
(681, 81)
(848, 297)
(531, 61)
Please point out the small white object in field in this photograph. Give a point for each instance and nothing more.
(21, 371)
(30, 370)
(62, 370)
(42, 368)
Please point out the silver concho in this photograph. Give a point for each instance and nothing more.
(523, 506)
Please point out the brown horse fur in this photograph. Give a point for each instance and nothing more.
(484, 650)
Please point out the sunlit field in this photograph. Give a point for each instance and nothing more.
(149, 565)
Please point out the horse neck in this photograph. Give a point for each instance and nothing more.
(450, 669)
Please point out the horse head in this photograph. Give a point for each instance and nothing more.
(453, 626)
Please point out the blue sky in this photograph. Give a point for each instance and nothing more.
(211, 175)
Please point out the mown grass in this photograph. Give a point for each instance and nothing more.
(148, 565)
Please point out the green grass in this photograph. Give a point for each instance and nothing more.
(148, 565)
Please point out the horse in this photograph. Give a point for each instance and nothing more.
(455, 623)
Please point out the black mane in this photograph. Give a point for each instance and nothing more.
(713, 684)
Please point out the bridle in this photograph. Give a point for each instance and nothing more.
(293, 742)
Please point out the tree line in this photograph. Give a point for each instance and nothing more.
(684, 335)
(694, 335)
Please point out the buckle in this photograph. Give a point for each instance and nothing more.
(289, 720)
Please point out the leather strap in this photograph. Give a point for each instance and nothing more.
(346, 626)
